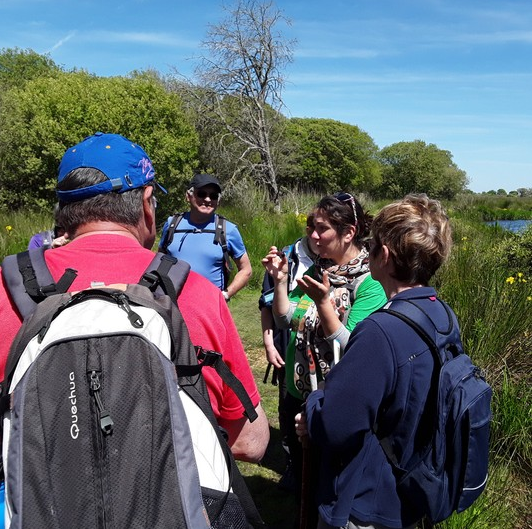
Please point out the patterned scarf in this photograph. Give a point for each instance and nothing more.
(312, 351)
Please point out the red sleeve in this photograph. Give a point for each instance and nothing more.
(211, 325)
(11, 323)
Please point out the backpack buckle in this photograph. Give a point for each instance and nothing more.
(208, 358)
(150, 280)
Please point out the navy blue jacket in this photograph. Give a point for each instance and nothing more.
(384, 376)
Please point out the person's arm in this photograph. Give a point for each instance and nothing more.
(248, 440)
(212, 327)
(370, 297)
(241, 278)
(276, 264)
(272, 354)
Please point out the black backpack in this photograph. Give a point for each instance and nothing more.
(451, 470)
(107, 418)
(220, 237)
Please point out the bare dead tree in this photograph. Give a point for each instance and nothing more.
(241, 83)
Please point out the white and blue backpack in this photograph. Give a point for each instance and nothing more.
(106, 416)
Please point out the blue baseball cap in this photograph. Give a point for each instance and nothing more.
(124, 163)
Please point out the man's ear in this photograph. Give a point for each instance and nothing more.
(147, 205)
(187, 196)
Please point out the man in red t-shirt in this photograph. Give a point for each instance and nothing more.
(107, 205)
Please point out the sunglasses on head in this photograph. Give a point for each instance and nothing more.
(213, 195)
(347, 198)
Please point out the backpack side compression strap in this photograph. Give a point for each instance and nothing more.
(215, 360)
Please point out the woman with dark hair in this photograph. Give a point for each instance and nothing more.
(330, 299)
(383, 379)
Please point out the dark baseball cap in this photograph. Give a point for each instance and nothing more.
(203, 179)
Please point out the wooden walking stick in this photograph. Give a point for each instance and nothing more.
(305, 485)
(306, 489)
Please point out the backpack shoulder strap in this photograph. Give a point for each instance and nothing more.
(293, 260)
(169, 237)
(220, 237)
(420, 330)
(165, 275)
(29, 280)
(420, 322)
(353, 287)
(220, 233)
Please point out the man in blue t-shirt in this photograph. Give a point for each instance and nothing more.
(194, 237)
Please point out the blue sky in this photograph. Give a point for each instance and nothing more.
(456, 73)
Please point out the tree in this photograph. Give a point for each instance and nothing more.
(332, 155)
(417, 167)
(19, 66)
(49, 114)
(240, 92)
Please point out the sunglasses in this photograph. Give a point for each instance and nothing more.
(345, 198)
(213, 195)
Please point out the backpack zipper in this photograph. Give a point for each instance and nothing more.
(106, 422)
(104, 428)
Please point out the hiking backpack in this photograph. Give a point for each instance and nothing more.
(450, 472)
(106, 416)
(220, 237)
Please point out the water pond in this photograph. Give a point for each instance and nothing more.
(517, 226)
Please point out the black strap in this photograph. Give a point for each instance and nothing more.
(29, 281)
(64, 283)
(165, 275)
(214, 359)
(220, 237)
(169, 236)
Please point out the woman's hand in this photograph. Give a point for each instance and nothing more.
(318, 292)
(276, 264)
(301, 427)
(273, 356)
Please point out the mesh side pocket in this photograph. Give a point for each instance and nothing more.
(224, 510)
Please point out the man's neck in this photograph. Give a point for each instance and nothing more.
(102, 227)
(196, 217)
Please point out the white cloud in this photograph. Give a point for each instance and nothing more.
(62, 41)
(331, 53)
(156, 39)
